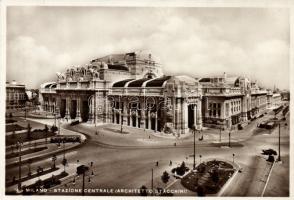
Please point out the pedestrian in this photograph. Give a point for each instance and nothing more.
(175, 144)
(157, 163)
(170, 163)
(149, 136)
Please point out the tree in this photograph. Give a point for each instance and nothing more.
(215, 176)
(46, 129)
(54, 160)
(143, 190)
(54, 128)
(200, 191)
(182, 169)
(165, 177)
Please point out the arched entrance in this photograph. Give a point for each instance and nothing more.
(85, 111)
(73, 110)
(62, 108)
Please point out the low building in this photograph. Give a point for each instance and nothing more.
(230, 101)
(277, 100)
(226, 101)
(15, 95)
(269, 99)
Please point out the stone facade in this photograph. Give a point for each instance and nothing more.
(229, 101)
(15, 95)
(131, 90)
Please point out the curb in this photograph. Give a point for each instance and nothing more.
(267, 180)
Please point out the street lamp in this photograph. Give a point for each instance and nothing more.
(233, 157)
(152, 181)
(220, 134)
(82, 169)
(230, 138)
(194, 132)
(279, 156)
(121, 120)
(19, 144)
(279, 153)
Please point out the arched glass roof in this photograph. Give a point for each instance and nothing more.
(158, 82)
(121, 83)
(138, 83)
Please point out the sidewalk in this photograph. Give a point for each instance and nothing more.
(43, 177)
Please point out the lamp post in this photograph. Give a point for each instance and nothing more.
(220, 134)
(152, 181)
(279, 148)
(19, 144)
(230, 138)
(194, 149)
(279, 156)
(82, 169)
(121, 120)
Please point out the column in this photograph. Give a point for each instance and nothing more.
(120, 113)
(143, 118)
(67, 102)
(78, 115)
(131, 118)
(184, 117)
(156, 122)
(91, 114)
(125, 113)
(149, 120)
(198, 114)
(137, 119)
(195, 115)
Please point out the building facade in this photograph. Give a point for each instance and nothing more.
(128, 89)
(15, 95)
(131, 90)
(230, 101)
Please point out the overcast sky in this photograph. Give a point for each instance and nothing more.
(193, 41)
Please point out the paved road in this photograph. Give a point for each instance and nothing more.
(131, 167)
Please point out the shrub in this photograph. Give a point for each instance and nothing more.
(53, 129)
(215, 176)
(201, 168)
(173, 170)
(200, 191)
(143, 190)
(165, 177)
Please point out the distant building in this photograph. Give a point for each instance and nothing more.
(277, 99)
(269, 99)
(15, 95)
(229, 101)
(285, 95)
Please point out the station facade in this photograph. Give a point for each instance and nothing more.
(131, 90)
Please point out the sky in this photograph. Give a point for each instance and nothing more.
(197, 41)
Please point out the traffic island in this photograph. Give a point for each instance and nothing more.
(208, 178)
(31, 176)
(25, 152)
(41, 186)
